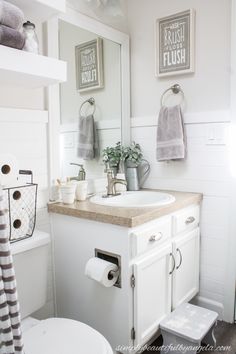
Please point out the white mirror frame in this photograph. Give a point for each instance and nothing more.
(75, 18)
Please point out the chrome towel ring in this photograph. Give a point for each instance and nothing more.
(176, 89)
(91, 101)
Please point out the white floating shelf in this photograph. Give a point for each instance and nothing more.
(41, 10)
(19, 68)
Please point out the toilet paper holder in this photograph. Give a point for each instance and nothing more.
(113, 258)
(113, 273)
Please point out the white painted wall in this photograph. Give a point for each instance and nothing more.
(207, 92)
(208, 88)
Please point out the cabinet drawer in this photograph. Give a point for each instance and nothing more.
(148, 238)
(186, 219)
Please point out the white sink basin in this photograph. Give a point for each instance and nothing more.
(139, 199)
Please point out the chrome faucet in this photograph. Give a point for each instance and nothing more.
(81, 174)
(111, 183)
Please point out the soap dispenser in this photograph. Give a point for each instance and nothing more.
(81, 175)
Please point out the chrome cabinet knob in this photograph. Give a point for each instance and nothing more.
(156, 237)
(189, 220)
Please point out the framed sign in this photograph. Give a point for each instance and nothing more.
(175, 44)
(89, 65)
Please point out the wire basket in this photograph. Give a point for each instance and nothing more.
(21, 202)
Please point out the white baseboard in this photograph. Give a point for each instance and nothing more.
(209, 304)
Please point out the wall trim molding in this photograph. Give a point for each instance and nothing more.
(101, 125)
(18, 115)
(222, 116)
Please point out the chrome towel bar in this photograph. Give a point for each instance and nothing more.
(176, 89)
(91, 101)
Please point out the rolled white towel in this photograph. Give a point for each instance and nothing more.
(10, 15)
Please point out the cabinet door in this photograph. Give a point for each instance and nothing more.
(186, 274)
(152, 292)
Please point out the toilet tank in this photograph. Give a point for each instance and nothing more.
(30, 257)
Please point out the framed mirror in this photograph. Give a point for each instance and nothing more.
(97, 84)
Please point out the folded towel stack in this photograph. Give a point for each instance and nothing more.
(171, 137)
(11, 21)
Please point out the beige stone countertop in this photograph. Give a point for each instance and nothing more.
(123, 216)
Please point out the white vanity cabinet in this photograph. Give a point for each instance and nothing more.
(159, 269)
(166, 272)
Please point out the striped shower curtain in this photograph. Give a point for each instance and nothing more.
(10, 328)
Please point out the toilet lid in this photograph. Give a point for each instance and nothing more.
(63, 336)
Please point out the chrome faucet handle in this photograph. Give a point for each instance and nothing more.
(76, 164)
(81, 173)
(110, 182)
(118, 181)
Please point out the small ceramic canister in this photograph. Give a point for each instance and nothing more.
(68, 193)
(81, 190)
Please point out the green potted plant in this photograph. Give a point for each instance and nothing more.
(133, 155)
(113, 156)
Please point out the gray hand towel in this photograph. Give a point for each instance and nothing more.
(11, 15)
(171, 138)
(11, 38)
(88, 147)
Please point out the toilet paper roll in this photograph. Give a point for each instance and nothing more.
(19, 224)
(99, 270)
(9, 170)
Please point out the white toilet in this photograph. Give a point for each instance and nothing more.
(54, 335)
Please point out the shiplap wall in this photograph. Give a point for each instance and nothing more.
(206, 170)
(23, 134)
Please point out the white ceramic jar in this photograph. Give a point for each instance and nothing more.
(68, 193)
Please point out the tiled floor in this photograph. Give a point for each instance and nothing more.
(225, 335)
